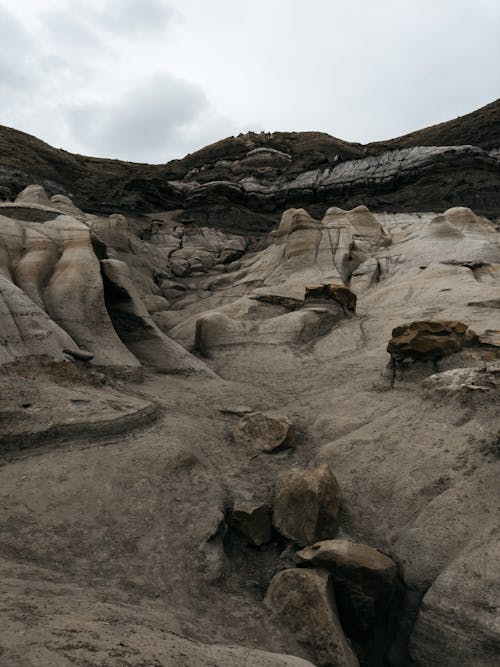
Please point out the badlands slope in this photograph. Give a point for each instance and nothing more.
(209, 457)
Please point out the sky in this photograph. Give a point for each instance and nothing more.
(153, 80)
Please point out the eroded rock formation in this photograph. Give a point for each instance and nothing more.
(245, 182)
(52, 293)
(59, 300)
(135, 527)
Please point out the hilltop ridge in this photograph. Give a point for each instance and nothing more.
(251, 178)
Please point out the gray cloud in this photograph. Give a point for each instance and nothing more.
(153, 79)
(87, 24)
(12, 33)
(132, 17)
(145, 124)
(16, 67)
(67, 28)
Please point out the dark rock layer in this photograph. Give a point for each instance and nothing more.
(245, 182)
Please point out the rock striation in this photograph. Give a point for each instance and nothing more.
(294, 290)
(52, 293)
(60, 299)
(245, 182)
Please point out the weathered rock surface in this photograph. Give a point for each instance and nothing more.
(490, 338)
(421, 488)
(116, 498)
(204, 248)
(246, 181)
(367, 590)
(56, 303)
(135, 326)
(63, 402)
(271, 304)
(306, 505)
(33, 194)
(52, 294)
(483, 379)
(90, 631)
(253, 520)
(264, 432)
(429, 340)
(474, 624)
(304, 602)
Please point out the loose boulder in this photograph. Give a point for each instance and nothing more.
(306, 505)
(304, 602)
(367, 590)
(429, 340)
(264, 432)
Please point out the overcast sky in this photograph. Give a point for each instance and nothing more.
(150, 80)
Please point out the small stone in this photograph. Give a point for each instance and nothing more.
(253, 521)
(264, 432)
(238, 410)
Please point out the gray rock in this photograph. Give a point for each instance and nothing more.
(33, 194)
(265, 432)
(306, 505)
(304, 602)
(132, 319)
(367, 590)
(462, 604)
(253, 521)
